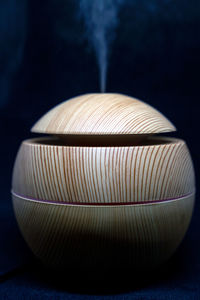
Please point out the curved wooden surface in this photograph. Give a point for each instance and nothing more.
(78, 235)
(103, 114)
(123, 174)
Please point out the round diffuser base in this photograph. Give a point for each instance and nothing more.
(102, 190)
(140, 235)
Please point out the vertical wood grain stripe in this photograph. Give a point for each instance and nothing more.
(103, 174)
(148, 233)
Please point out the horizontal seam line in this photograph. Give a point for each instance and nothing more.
(102, 204)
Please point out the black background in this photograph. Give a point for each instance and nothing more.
(45, 59)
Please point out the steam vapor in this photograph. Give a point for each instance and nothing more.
(101, 18)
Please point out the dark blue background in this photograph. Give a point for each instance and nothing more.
(45, 59)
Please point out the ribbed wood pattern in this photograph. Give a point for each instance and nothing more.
(103, 114)
(143, 235)
(103, 174)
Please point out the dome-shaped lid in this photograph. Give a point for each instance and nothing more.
(103, 114)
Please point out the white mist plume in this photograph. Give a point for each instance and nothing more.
(101, 18)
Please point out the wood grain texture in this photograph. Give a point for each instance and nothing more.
(123, 174)
(103, 114)
(78, 235)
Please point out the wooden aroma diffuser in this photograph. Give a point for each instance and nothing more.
(103, 189)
